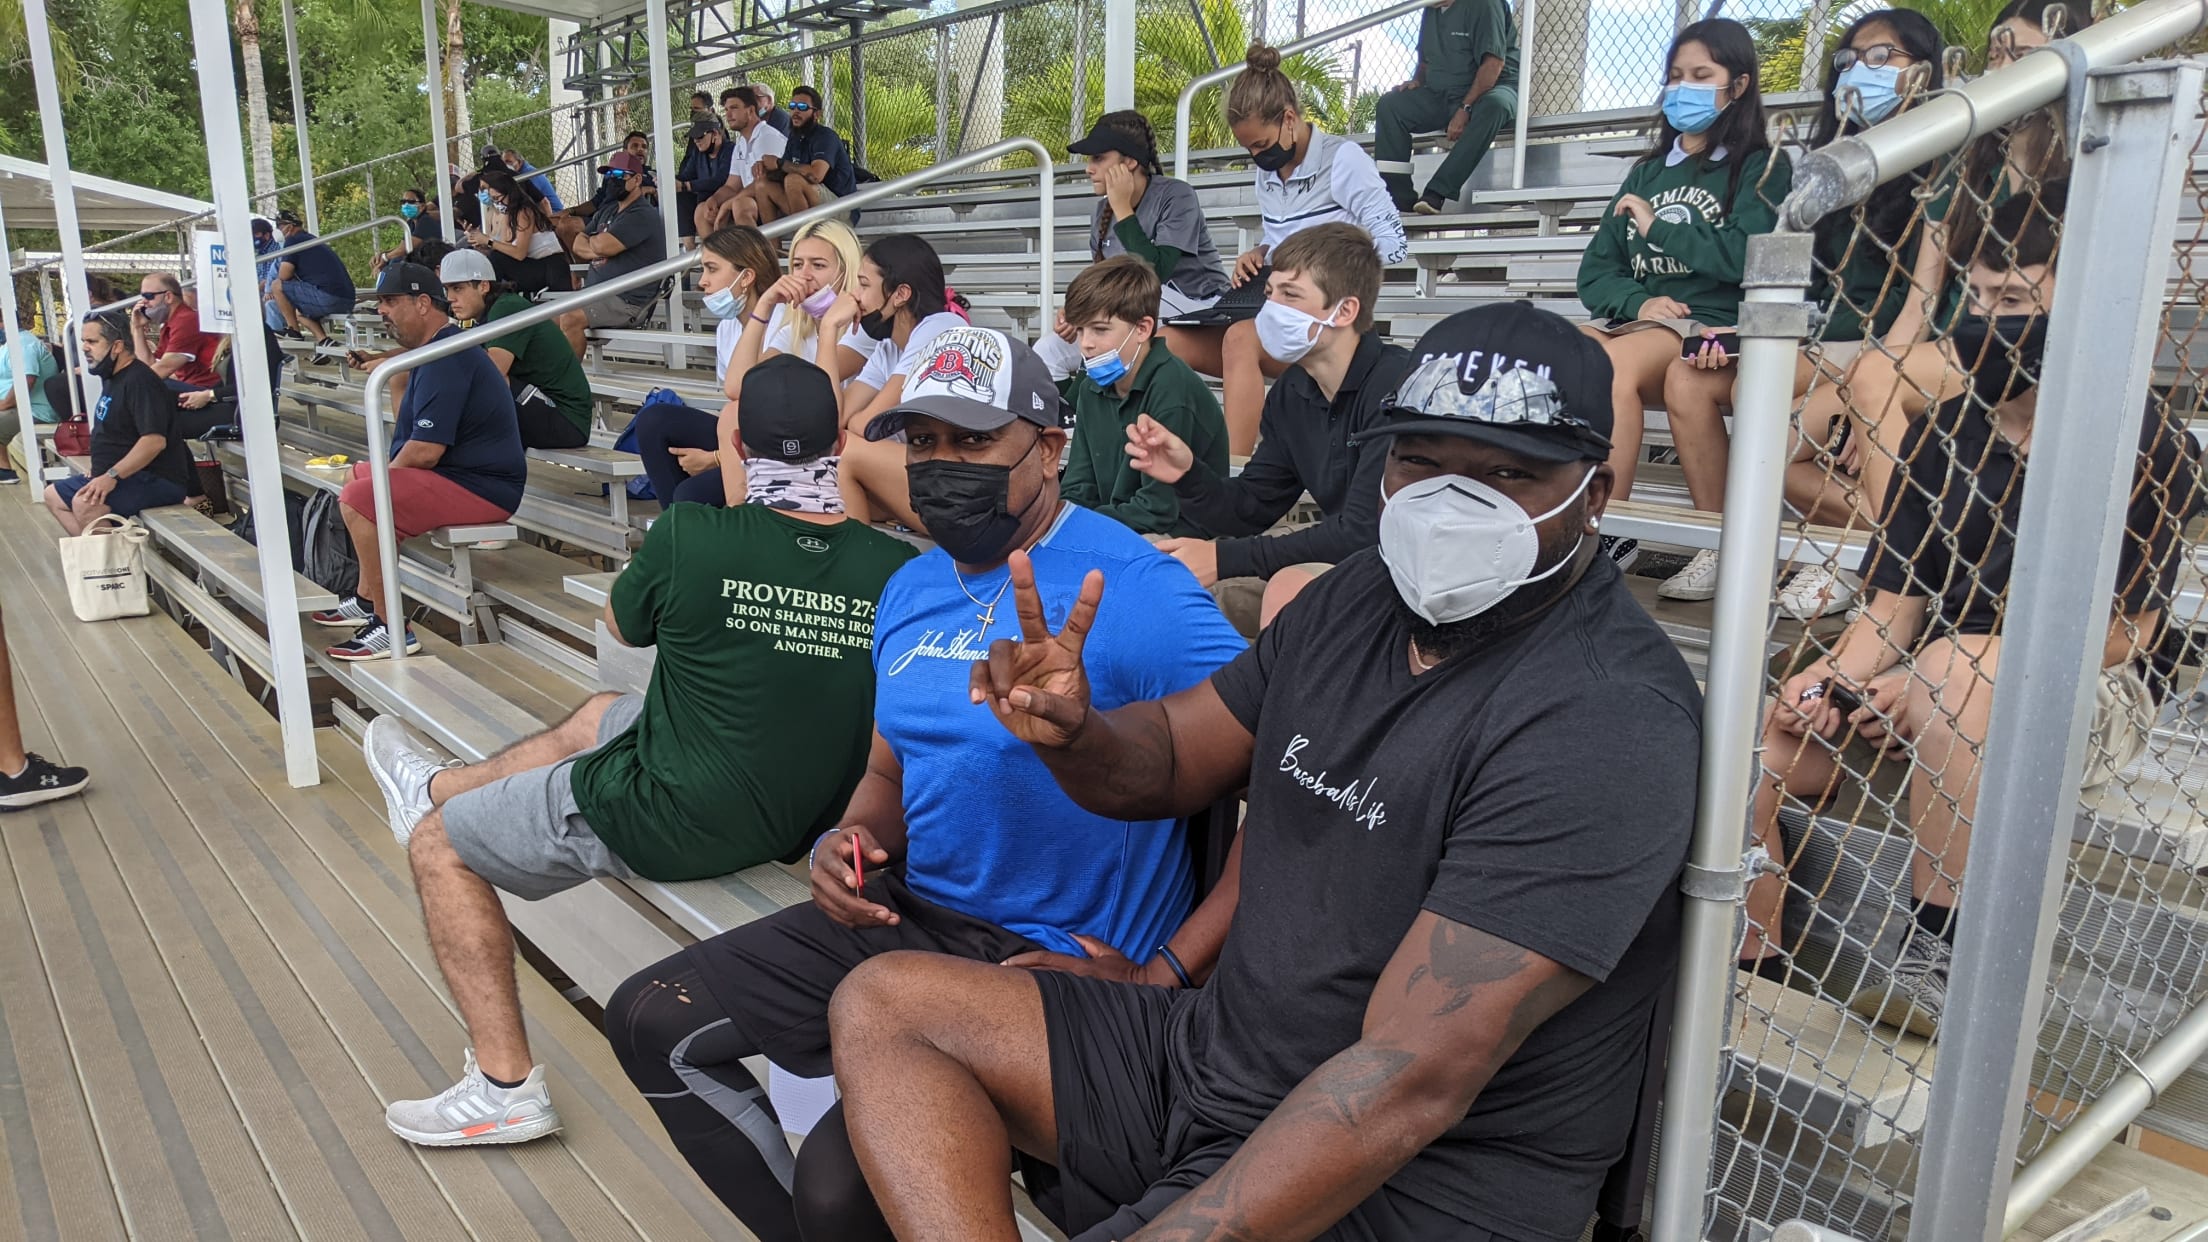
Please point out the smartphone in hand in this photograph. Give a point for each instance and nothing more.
(1726, 342)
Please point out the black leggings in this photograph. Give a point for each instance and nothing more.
(660, 430)
(685, 1054)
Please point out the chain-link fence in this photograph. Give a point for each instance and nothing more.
(1914, 416)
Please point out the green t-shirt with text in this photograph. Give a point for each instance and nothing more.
(1696, 250)
(543, 357)
(761, 707)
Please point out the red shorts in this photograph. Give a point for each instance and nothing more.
(421, 501)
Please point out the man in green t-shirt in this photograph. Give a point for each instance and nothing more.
(1120, 370)
(1466, 88)
(551, 393)
(745, 747)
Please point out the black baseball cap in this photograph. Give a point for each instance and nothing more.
(790, 410)
(288, 216)
(1102, 138)
(1508, 374)
(706, 124)
(976, 378)
(409, 279)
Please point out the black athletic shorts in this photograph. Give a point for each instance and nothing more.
(773, 977)
(1128, 1147)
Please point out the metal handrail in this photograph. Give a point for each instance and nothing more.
(1844, 172)
(1183, 107)
(375, 388)
(1825, 180)
(325, 238)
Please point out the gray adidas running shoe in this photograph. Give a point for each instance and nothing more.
(402, 775)
(473, 1112)
(1915, 992)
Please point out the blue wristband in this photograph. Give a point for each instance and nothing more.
(1179, 971)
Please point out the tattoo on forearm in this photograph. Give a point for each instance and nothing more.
(1464, 961)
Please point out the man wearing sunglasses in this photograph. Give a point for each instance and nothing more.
(814, 168)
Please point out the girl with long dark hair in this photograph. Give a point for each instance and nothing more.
(518, 236)
(1667, 260)
(1879, 271)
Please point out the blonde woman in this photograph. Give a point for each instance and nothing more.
(810, 305)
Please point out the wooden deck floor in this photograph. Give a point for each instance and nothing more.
(211, 983)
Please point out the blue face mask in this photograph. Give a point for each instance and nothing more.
(1691, 109)
(1876, 87)
(410, 210)
(483, 197)
(724, 303)
(1106, 370)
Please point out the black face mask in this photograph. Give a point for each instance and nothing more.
(878, 325)
(1274, 158)
(2002, 353)
(967, 506)
(103, 368)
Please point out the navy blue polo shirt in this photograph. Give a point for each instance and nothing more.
(818, 142)
(463, 403)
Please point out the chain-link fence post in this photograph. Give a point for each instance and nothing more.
(1773, 322)
(2134, 139)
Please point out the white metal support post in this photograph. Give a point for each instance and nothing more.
(2138, 130)
(218, 102)
(310, 202)
(1119, 55)
(19, 366)
(1773, 320)
(1527, 14)
(433, 63)
(664, 143)
(74, 286)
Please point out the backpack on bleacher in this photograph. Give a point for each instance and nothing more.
(327, 546)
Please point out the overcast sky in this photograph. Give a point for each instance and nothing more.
(1626, 42)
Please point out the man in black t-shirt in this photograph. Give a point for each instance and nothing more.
(138, 458)
(1922, 656)
(1441, 943)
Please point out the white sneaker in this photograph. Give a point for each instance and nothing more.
(1818, 591)
(473, 1112)
(1697, 581)
(402, 774)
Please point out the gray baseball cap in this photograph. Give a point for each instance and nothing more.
(976, 378)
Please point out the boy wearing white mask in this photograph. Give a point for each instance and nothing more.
(1427, 1020)
(1121, 371)
(1318, 317)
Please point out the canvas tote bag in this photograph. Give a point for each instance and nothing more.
(105, 568)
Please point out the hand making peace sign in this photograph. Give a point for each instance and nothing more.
(1035, 683)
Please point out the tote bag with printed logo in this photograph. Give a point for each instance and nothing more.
(105, 568)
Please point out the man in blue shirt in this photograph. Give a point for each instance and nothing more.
(311, 284)
(456, 455)
(523, 170)
(995, 861)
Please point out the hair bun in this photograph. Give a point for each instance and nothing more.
(1263, 58)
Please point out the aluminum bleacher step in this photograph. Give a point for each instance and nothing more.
(1828, 1068)
(231, 562)
(248, 645)
(595, 590)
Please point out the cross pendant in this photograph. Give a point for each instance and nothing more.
(986, 617)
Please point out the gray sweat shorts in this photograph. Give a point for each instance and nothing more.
(525, 833)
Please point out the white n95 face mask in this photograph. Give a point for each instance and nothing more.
(1456, 547)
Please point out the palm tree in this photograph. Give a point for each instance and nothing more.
(262, 133)
(458, 119)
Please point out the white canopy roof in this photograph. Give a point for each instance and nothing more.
(27, 195)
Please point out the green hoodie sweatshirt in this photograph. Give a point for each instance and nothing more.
(1697, 249)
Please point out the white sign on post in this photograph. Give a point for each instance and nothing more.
(209, 269)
